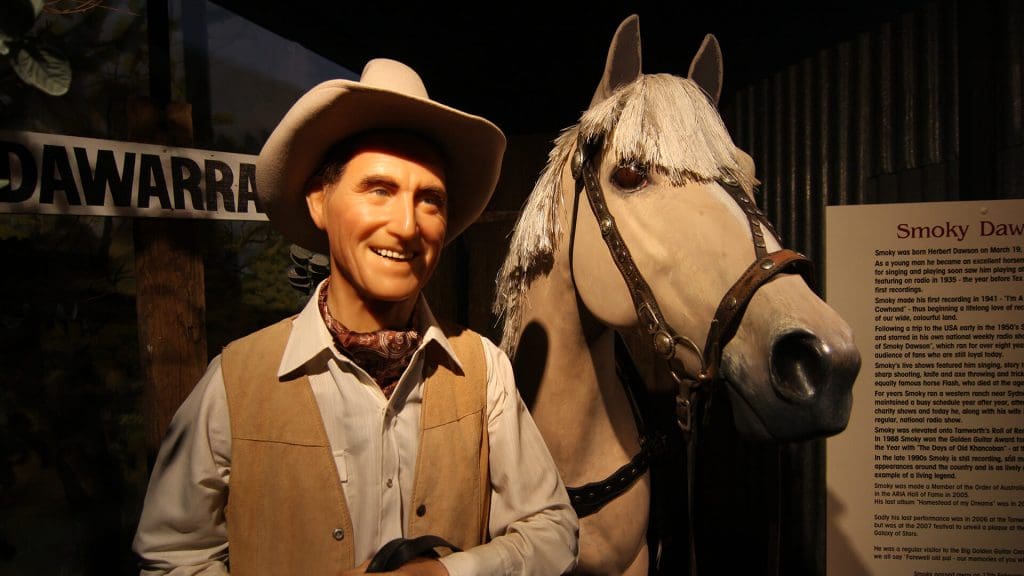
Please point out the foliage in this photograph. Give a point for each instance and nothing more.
(37, 63)
(106, 48)
(246, 286)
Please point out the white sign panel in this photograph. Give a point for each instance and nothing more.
(927, 479)
(54, 174)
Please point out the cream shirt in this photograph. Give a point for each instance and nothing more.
(375, 442)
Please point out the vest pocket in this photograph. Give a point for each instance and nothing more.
(340, 462)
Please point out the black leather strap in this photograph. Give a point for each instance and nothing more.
(664, 338)
(397, 552)
(591, 497)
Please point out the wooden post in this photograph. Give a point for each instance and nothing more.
(170, 291)
(170, 287)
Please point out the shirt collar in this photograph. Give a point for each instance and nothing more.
(310, 338)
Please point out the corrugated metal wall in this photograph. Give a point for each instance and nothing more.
(927, 107)
(881, 118)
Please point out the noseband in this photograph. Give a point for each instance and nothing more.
(663, 337)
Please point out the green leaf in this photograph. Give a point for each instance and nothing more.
(4, 182)
(43, 68)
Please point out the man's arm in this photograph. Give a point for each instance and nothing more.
(182, 530)
(533, 526)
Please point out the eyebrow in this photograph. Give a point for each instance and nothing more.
(375, 180)
(387, 182)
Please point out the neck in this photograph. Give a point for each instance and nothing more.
(360, 314)
(578, 377)
(568, 358)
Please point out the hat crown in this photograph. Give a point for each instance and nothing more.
(392, 75)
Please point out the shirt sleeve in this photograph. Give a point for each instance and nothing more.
(182, 530)
(533, 527)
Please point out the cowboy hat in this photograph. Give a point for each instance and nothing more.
(388, 95)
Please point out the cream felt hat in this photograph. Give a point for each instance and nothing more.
(388, 95)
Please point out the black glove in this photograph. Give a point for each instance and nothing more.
(394, 554)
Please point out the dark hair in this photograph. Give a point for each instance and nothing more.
(333, 165)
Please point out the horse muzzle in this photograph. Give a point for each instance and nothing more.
(808, 393)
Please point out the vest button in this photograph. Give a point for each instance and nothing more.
(421, 510)
(338, 534)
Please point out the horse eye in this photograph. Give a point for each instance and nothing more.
(630, 176)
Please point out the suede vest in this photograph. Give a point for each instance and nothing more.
(286, 511)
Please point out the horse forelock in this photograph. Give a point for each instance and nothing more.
(659, 120)
(668, 123)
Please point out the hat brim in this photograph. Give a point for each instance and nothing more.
(338, 109)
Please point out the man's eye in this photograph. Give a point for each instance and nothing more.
(435, 199)
(630, 177)
(380, 191)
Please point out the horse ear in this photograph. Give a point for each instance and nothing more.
(706, 68)
(623, 63)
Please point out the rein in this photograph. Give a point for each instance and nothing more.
(692, 389)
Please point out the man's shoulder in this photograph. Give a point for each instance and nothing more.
(255, 355)
(265, 344)
(476, 351)
(277, 331)
(462, 337)
(455, 330)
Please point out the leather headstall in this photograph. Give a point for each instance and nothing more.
(663, 337)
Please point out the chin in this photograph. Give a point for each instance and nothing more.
(394, 295)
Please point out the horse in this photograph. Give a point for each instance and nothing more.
(642, 235)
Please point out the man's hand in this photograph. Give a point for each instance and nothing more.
(415, 567)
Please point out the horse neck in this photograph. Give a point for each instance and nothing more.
(580, 407)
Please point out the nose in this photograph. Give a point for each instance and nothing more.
(801, 364)
(403, 217)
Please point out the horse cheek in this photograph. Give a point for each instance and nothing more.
(602, 289)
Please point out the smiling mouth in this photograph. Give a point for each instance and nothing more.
(394, 255)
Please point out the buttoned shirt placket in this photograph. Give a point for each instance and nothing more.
(388, 424)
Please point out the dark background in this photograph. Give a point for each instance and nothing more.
(531, 67)
(847, 104)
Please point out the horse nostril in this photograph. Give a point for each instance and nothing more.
(799, 362)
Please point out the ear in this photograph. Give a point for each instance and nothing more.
(316, 201)
(623, 63)
(706, 68)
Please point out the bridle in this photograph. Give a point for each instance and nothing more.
(692, 388)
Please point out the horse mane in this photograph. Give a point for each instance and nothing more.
(662, 121)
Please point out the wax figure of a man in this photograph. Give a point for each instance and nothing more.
(309, 445)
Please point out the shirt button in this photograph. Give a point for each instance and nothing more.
(338, 534)
(389, 483)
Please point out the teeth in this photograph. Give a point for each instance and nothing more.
(393, 254)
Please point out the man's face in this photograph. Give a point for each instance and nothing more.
(385, 219)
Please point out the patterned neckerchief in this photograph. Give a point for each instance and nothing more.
(384, 354)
